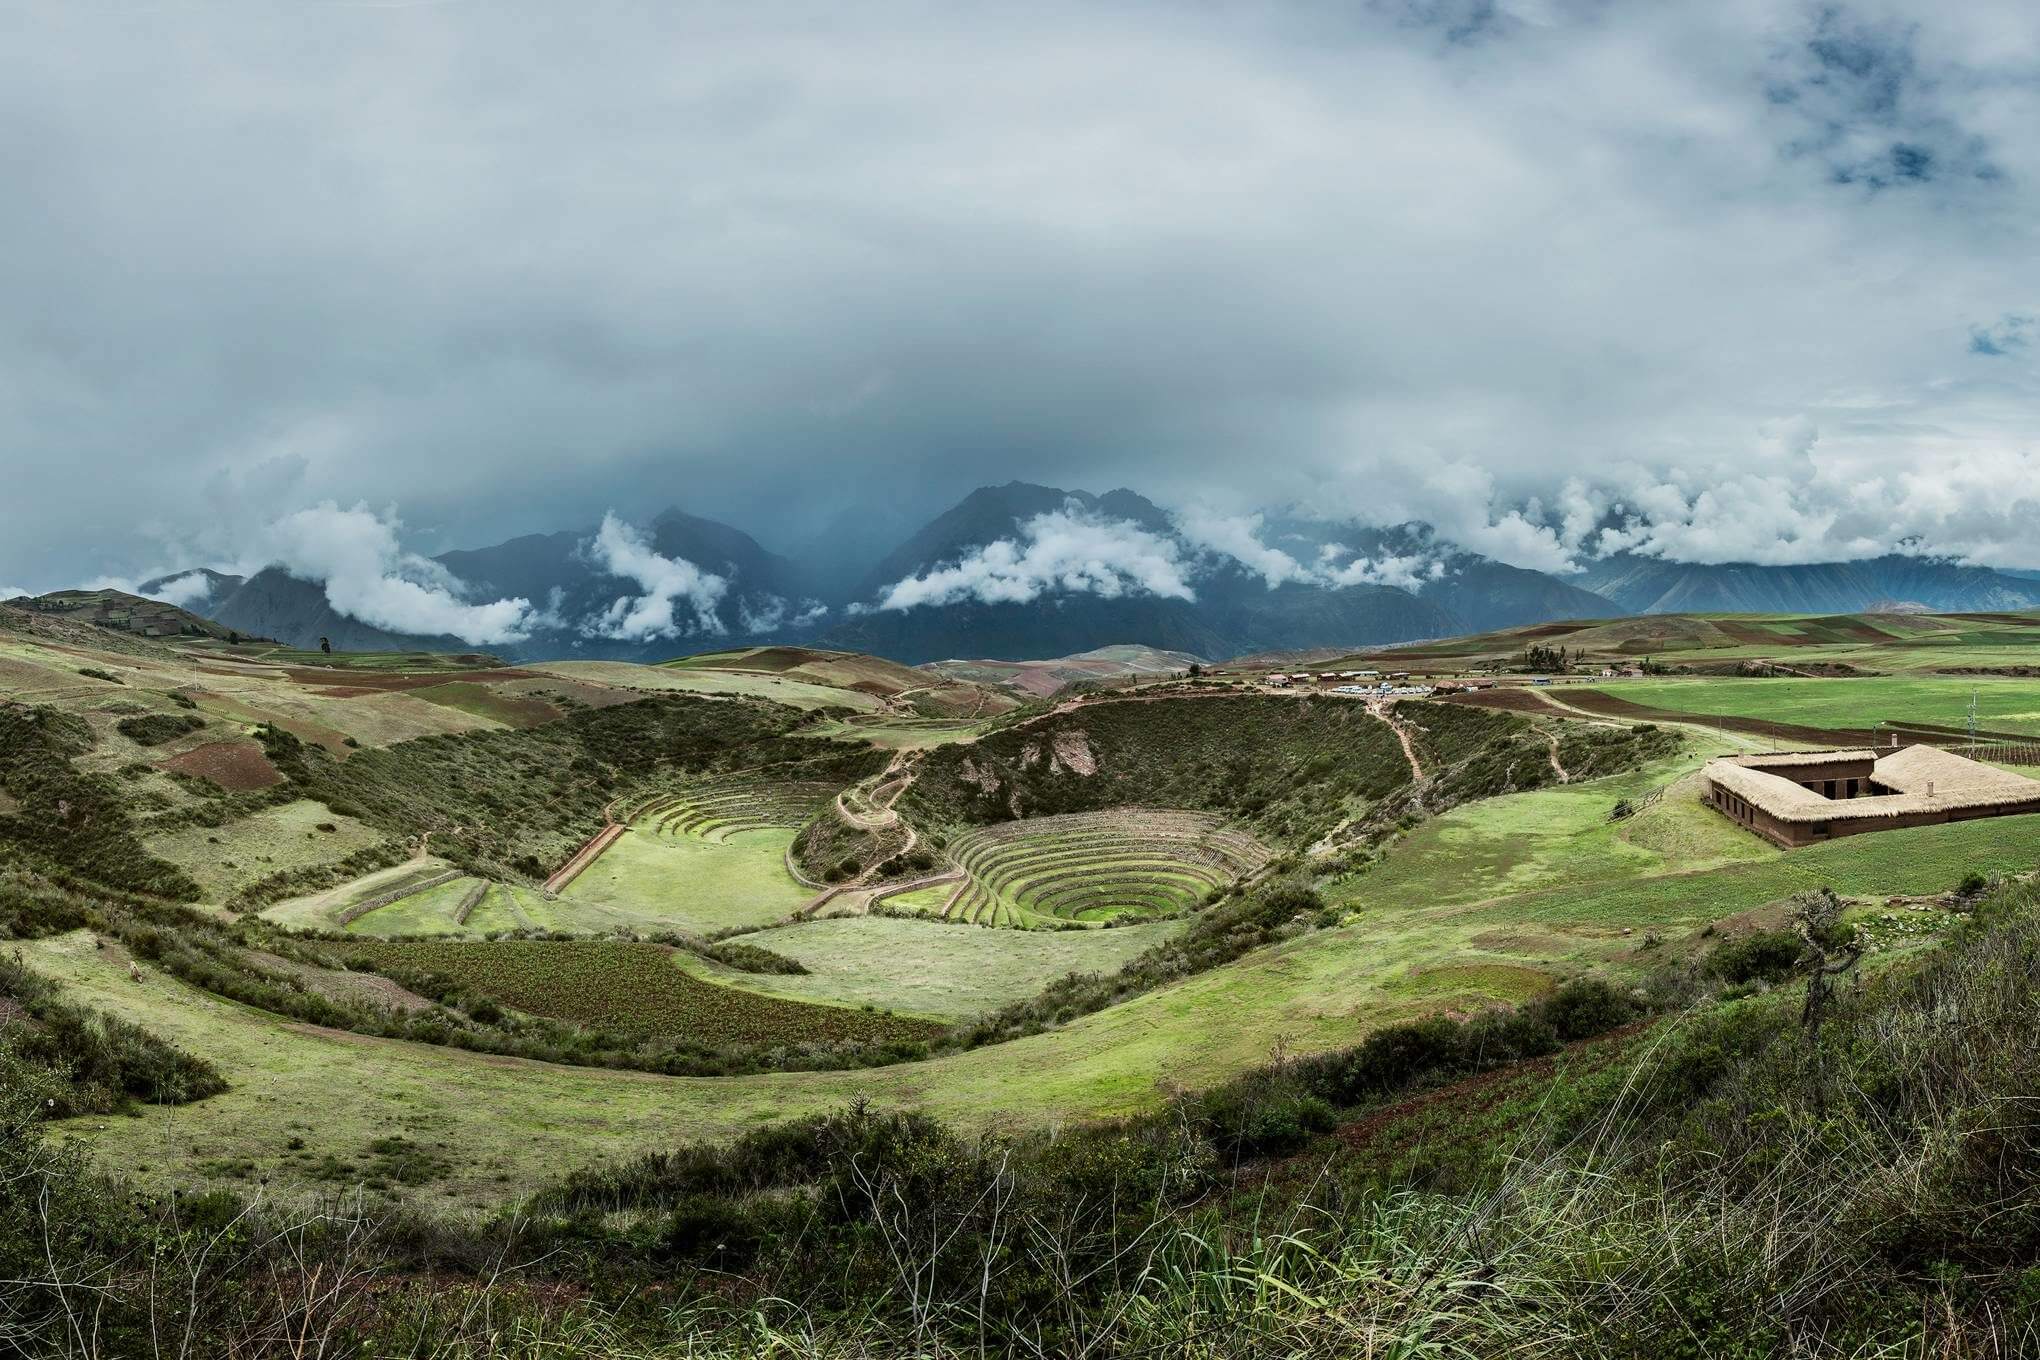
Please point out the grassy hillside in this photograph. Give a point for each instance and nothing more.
(1876, 643)
(1293, 768)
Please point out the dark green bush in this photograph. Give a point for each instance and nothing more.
(157, 728)
(1764, 955)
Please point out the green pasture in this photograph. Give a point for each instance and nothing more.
(226, 859)
(2003, 704)
(930, 968)
(1564, 834)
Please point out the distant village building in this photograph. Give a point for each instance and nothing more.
(1796, 798)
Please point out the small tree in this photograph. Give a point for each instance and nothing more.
(1817, 918)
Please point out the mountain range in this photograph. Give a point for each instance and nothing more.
(1023, 571)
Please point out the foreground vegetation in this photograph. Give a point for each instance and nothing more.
(1723, 1179)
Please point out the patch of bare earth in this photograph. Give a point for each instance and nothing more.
(1073, 752)
(236, 766)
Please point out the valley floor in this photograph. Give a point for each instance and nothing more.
(1492, 902)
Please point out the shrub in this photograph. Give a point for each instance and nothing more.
(1765, 955)
(1583, 1008)
(106, 1063)
(157, 728)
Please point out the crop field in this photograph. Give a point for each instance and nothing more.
(930, 968)
(488, 701)
(627, 986)
(297, 835)
(1321, 989)
(2009, 705)
(372, 662)
(1096, 866)
(793, 692)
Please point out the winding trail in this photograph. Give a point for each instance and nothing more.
(1384, 709)
(1557, 768)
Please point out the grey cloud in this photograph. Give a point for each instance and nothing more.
(1430, 260)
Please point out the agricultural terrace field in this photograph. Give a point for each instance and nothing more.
(1096, 866)
(653, 879)
(628, 987)
(433, 907)
(352, 904)
(928, 968)
(2009, 705)
(300, 834)
(715, 812)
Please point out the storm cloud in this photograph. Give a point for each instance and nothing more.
(1713, 281)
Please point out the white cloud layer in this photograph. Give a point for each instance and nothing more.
(1239, 538)
(1064, 550)
(1392, 261)
(354, 554)
(767, 613)
(679, 599)
(192, 588)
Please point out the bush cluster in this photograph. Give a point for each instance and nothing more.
(103, 1064)
(154, 729)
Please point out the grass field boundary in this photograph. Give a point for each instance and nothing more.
(357, 910)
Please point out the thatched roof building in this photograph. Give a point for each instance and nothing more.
(1800, 797)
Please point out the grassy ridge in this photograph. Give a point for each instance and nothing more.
(1290, 767)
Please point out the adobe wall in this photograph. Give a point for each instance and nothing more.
(1794, 835)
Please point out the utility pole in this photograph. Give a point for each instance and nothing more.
(1972, 723)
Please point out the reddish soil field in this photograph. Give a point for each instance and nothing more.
(1614, 706)
(1549, 630)
(234, 765)
(1510, 700)
(367, 682)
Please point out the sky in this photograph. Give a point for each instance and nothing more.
(1714, 281)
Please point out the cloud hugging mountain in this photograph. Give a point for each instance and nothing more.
(1013, 571)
